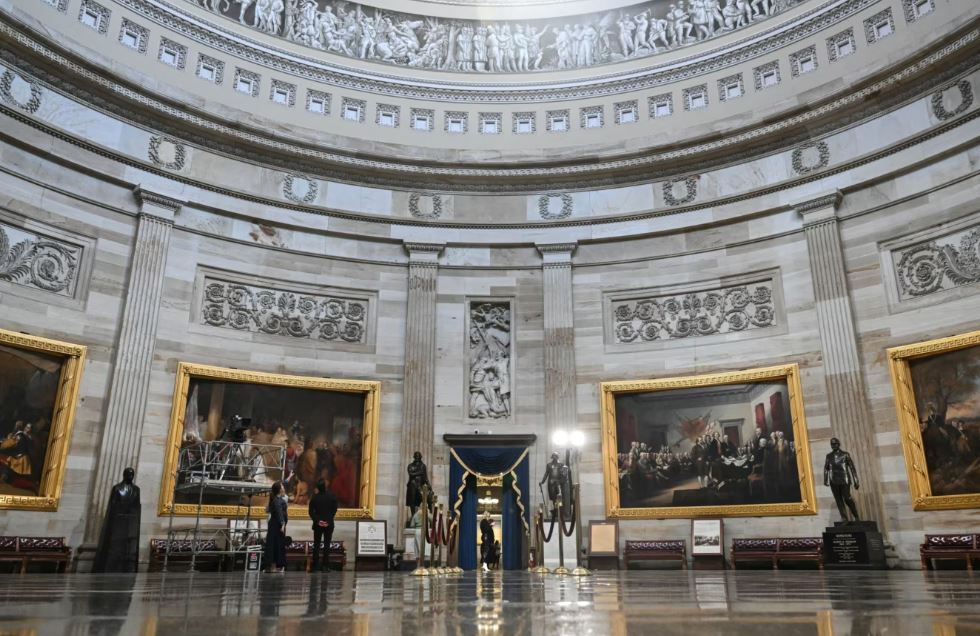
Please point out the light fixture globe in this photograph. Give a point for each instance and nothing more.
(560, 438)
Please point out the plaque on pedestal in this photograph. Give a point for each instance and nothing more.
(854, 545)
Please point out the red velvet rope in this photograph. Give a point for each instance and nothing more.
(561, 520)
(453, 529)
(551, 530)
(430, 536)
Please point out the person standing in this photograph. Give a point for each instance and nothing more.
(275, 537)
(323, 509)
(486, 540)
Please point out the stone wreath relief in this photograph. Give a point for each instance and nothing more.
(371, 33)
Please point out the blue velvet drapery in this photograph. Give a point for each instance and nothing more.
(490, 461)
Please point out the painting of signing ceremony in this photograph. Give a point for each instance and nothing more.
(725, 445)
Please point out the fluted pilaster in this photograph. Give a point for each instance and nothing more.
(134, 350)
(559, 340)
(850, 415)
(419, 399)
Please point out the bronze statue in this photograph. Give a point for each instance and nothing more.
(839, 473)
(418, 476)
(559, 487)
(118, 549)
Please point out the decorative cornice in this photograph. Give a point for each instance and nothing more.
(556, 254)
(337, 75)
(424, 254)
(145, 197)
(527, 178)
(820, 203)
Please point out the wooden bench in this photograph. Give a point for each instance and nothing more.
(657, 550)
(180, 552)
(950, 546)
(27, 550)
(302, 552)
(776, 550)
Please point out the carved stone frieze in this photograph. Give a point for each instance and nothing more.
(952, 260)
(965, 90)
(803, 156)
(546, 208)
(215, 36)
(9, 92)
(702, 313)
(38, 261)
(425, 206)
(508, 46)
(489, 359)
(280, 312)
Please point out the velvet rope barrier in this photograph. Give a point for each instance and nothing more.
(551, 531)
(432, 535)
(561, 520)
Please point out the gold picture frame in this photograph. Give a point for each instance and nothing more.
(909, 420)
(367, 486)
(72, 358)
(789, 373)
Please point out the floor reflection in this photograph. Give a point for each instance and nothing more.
(683, 603)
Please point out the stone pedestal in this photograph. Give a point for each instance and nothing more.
(854, 545)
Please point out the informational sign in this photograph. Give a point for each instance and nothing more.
(372, 537)
(603, 538)
(253, 559)
(706, 536)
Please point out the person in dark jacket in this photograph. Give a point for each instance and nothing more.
(275, 538)
(323, 509)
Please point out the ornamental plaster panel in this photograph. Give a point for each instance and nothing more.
(21, 91)
(728, 307)
(283, 309)
(947, 261)
(38, 261)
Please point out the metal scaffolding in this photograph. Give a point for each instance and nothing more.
(225, 469)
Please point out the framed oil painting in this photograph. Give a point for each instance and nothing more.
(39, 382)
(328, 429)
(724, 444)
(937, 396)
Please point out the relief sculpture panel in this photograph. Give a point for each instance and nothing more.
(366, 32)
(258, 309)
(489, 360)
(948, 261)
(686, 315)
(34, 260)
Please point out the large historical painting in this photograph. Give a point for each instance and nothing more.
(712, 445)
(937, 388)
(39, 381)
(328, 429)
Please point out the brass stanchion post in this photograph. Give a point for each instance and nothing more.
(421, 570)
(579, 570)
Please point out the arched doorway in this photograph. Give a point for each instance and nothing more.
(500, 461)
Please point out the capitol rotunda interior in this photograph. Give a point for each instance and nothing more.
(695, 282)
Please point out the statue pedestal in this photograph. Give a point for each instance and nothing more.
(853, 545)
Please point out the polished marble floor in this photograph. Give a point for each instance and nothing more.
(753, 603)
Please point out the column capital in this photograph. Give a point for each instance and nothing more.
(556, 254)
(820, 208)
(157, 205)
(423, 253)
